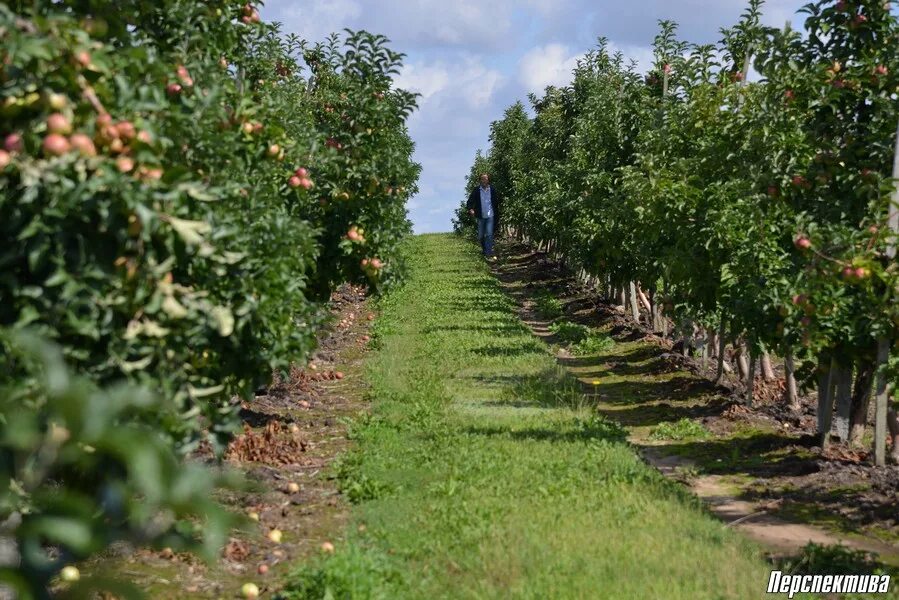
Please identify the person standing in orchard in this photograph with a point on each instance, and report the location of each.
(484, 203)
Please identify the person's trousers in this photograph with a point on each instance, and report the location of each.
(485, 235)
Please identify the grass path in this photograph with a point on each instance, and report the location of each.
(483, 473)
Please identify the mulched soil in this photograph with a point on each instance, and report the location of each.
(835, 481)
(293, 430)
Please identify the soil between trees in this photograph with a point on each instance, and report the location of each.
(293, 431)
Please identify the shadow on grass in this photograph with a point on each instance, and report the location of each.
(677, 389)
(594, 429)
(759, 454)
(491, 304)
(519, 329)
(511, 350)
(656, 414)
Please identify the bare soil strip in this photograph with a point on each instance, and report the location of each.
(292, 433)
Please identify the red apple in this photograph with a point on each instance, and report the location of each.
(799, 299)
(83, 144)
(13, 143)
(789, 94)
(376, 263)
(803, 243)
(301, 172)
(306, 183)
(145, 137)
(882, 70)
(848, 273)
(773, 191)
(184, 76)
(262, 569)
(859, 19)
(56, 145)
(861, 273)
(5, 159)
(124, 164)
(59, 123)
(173, 89)
(83, 58)
(364, 262)
(666, 68)
(798, 180)
(273, 150)
(126, 130)
(294, 182)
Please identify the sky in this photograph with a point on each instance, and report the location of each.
(470, 60)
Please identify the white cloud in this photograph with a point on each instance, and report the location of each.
(426, 80)
(467, 81)
(641, 55)
(551, 64)
(314, 21)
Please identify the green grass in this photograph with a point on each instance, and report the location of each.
(684, 429)
(483, 472)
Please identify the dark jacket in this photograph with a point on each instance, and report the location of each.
(474, 202)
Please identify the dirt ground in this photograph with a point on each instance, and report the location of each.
(293, 431)
(764, 456)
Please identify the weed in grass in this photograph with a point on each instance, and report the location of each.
(548, 305)
(684, 429)
(594, 343)
(568, 332)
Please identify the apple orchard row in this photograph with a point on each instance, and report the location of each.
(755, 215)
(183, 186)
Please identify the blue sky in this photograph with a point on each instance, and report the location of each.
(470, 60)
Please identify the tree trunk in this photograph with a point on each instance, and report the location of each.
(704, 347)
(843, 402)
(893, 425)
(767, 369)
(622, 299)
(791, 394)
(825, 399)
(634, 306)
(861, 400)
(883, 418)
(722, 343)
(750, 379)
(742, 362)
(644, 300)
(881, 400)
